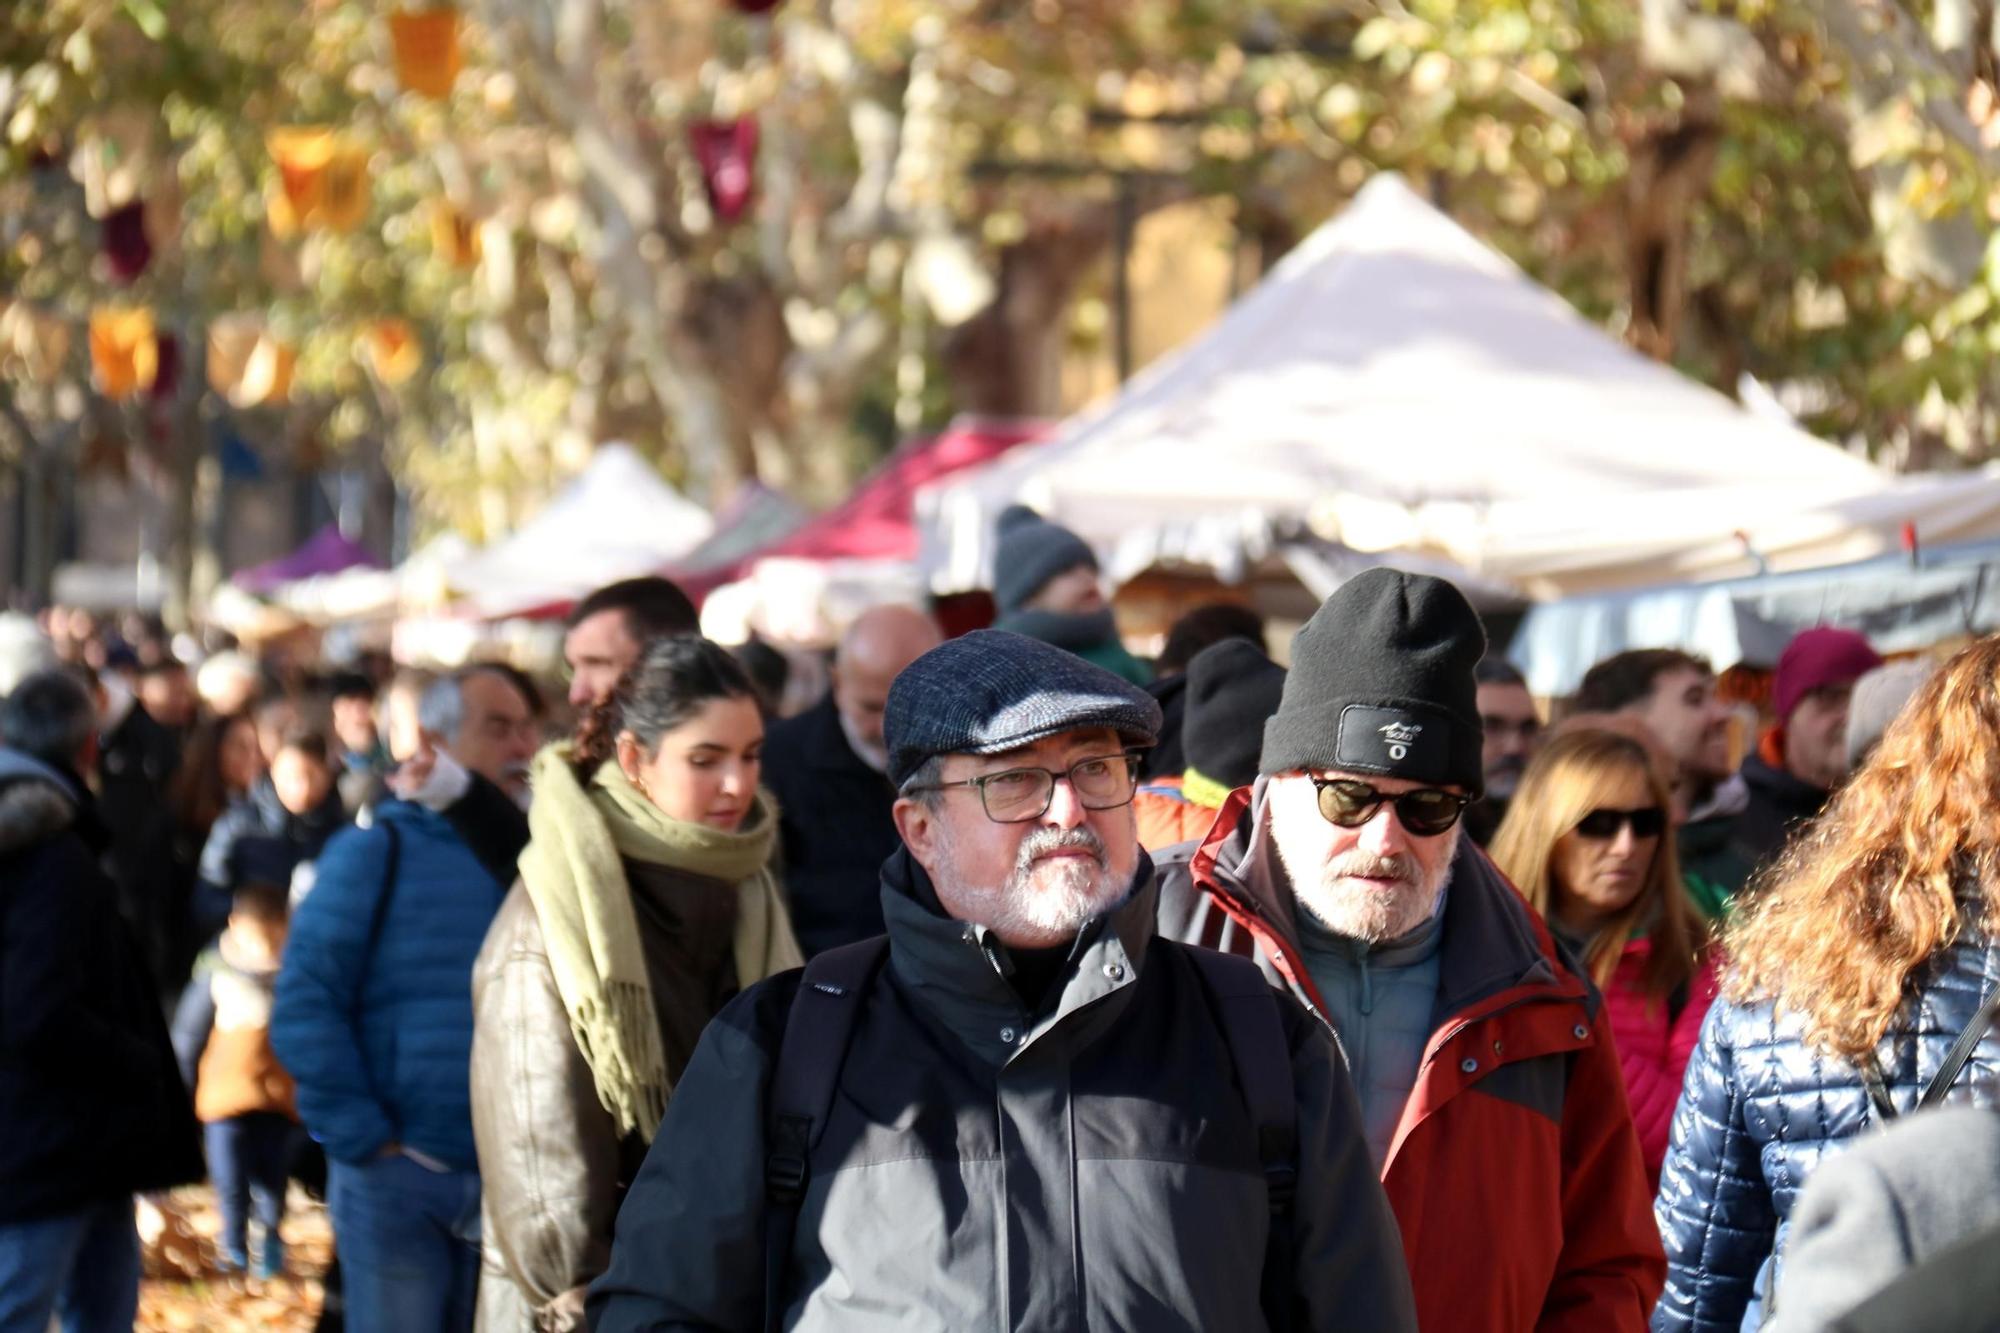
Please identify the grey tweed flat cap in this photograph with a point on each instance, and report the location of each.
(990, 691)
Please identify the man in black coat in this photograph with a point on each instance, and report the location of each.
(825, 766)
(92, 1108)
(136, 761)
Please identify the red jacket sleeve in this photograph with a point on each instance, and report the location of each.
(1612, 1267)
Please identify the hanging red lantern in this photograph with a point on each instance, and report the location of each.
(727, 152)
(755, 6)
(126, 246)
(167, 372)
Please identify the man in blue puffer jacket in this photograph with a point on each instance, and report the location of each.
(373, 1018)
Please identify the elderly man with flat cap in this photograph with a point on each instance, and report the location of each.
(1021, 1109)
(1489, 1088)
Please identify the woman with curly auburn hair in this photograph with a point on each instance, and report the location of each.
(1588, 840)
(1864, 958)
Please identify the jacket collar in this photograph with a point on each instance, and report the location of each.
(827, 749)
(1793, 796)
(39, 800)
(959, 970)
(1491, 940)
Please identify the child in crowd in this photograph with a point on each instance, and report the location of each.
(243, 1097)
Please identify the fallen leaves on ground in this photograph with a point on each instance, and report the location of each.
(184, 1291)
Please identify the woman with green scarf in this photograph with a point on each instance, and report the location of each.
(645, 902)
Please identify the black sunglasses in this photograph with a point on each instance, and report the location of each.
(1425, 812)
(1603, 825)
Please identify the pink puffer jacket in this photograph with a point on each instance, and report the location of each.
(1653, 1050)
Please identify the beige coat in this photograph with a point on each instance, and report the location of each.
(553, 1166)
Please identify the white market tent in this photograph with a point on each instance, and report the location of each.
(1403, 389)
(617, 519)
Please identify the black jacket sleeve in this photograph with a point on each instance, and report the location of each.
(493, 826)
(689, 1249)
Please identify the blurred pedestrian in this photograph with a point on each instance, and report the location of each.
(1673, 693)
(1801, 759)
(360, 755)
(609, 628)
(1880, 696)
(373, 1017)
(1232, 690)
(91, 1110)
(1064, 1118)
(137, 761)
(1047, 586)
(827, 769)
(167, 691)
(1866, 956)
(244, 1099)
(1490, 1089)
(1590, 845)
(474, 741)
(646, 902)
(1203, 627)
(769, 670)
(1510, 730)
(24, 650)
(287, 817)
(229, 682)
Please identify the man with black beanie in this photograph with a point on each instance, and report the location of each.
(1232, 689)
(1490, 1092)
(1046, 586)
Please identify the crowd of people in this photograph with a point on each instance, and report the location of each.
(1014, 981)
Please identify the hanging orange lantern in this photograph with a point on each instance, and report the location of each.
(322, 181)
(427, 55)
(124, 350)
(455, 236)
(392, 350)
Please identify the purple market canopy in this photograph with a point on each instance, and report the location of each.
(325, 552)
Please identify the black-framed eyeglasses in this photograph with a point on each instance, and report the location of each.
(1017, 795)
(1424, 812)
(1603, 825)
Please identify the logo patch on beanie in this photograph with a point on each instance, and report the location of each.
(1399, 736)
(1389, 740)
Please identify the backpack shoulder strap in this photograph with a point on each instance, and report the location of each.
(803, 1079)
(1955, 1059)
(1247, 1008)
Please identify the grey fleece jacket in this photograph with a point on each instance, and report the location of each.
(982, 1169)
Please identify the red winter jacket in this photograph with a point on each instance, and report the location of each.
(1515, 1173)
(1654, 1046)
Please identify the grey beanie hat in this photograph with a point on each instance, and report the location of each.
(1031, 552)
(1879, 699)
(990, 691)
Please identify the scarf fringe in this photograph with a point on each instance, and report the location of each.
(631, 1084)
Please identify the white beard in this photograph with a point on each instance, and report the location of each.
(1355, 911)
(1040, 903)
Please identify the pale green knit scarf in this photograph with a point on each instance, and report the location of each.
(575, 877)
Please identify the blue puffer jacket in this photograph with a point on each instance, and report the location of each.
(381, 1045)
(1758, 1112)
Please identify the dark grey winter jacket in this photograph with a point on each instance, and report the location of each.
(1093, 1168)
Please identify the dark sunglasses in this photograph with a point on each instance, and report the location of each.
(1425, 812)
(1603, 825)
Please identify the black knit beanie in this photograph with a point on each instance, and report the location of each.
(1232, 690)
(1031, 552)
(1382, 682)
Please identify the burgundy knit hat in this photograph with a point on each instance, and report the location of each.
(1817, 658)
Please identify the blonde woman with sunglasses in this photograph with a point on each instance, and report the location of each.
(1588, 840)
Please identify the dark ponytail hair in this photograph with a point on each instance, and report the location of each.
(673, 678)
